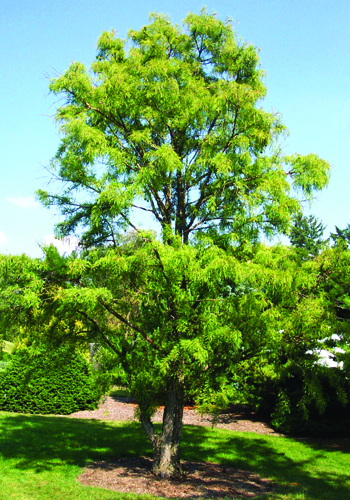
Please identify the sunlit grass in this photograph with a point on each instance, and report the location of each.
(120, 392)
(41, 457)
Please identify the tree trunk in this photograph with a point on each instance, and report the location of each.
(166, 446)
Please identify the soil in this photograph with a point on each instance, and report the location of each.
(201, 479)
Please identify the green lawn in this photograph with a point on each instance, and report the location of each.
(41, 456)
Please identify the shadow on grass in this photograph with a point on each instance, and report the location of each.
(301, 466)
(41, 443)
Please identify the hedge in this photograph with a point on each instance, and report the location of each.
(56, 382)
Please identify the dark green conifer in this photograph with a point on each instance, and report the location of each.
(307, 233)
(341, 235)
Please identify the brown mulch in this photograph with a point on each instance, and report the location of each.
(201, 480)
(238, 418)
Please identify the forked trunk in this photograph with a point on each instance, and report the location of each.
(166, 446)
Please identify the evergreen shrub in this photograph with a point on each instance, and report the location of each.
(56, 382)
(293, 411)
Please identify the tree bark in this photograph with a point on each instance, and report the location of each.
(166, 446)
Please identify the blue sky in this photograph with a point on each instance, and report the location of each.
(304, 47)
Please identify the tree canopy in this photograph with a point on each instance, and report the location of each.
(189, 321)
(170, 122)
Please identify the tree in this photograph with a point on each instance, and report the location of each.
(341, 235)
(301, 379)
(179, 320)
(174, 122)
(171, 126)
(307, 233)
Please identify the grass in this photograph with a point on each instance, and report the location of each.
(41, 457)
(120, 392)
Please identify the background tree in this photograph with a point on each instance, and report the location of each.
(170, 125)
(293, 382)
(341, 235)
(307, 233)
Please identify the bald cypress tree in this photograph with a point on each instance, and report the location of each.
(169, 123)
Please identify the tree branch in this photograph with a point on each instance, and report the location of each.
(161, 265)
(233, 132)
(126, 322)
(105, 339)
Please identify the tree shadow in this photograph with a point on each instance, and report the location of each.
(270, 456)
(41, 443)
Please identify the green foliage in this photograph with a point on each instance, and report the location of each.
(172, 124)
(288, 380)
(341, 235)
(222, 325)
(57, 382)
(281, 412)
(303, 400)
(173, 117)
(307, 234)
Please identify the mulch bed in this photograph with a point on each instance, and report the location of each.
(202, 480)
(238, 418)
